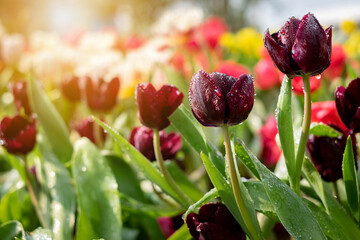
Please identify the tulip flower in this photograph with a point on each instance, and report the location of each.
(70, 88)
(327, 154)
(348, 104)
(326, 113)
(231, 68)
(300, 47)
(270, 152)
(217, 99)
(21, 98)
(100, 95)
(18, 134)
(154, 107)
(169, 225)
(214, 222)
(142, 139)
(298, 84)
(338, 63)
(266, 75)
(86, 128)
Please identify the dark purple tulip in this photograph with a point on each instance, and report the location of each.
(214, 222)
(142, 139)
(217, 99)
(154, 107)
(18, 134)
(348, 104)
(300, 47)
(327, 155)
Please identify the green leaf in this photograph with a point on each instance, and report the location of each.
(140, 162)
(42, 234)
(13, 230)
(17, 164)
(189, 128)
(54, 127)
(301, 225)
(213, 193)
(181, 234)
(225, 191)
(329, 226)
(350, 179)
(246, 159)
(55, 180)
(285, 125)
(99, 205)
(322, 130)
(128, 182)
(261, 200)
(187, 186)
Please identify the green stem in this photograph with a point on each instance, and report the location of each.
(304, 132)
(180, 194)
(336, 192)
(32, 194)
(236, 186)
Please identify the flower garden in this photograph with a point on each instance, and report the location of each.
(192, 132)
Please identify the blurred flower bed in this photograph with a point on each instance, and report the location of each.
(55, 90)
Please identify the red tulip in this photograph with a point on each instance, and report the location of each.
(21, 97)
(297, 84)
(100, 95)
(86, 128)
(326, 113)
(154, 107)
(18, 134)
(270, 152)
(211, 31)
(300, 47)
(70, 88)
(169, 225)
(338, 63)
(267, 75)
(231, 68)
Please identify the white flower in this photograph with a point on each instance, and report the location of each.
(12, 47)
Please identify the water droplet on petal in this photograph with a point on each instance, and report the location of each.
(318, 76)
(218, 92)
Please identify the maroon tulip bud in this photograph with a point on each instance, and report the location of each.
(142, 139)
(18, 134)
(21, 97)
(214, 222)
(70, 88)
(327, 154)
(100, 95)
(348, 104)
(86, 128)
(154, 107)
(218, 99)
(301, 47)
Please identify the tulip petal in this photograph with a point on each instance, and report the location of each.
(240, 100)
(280, 55)
(287, 33)
(342, 106)
(355, 121)
(206, 100)
(210, 231)
(147, 111)
(310, 50)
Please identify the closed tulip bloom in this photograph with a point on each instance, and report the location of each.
(266, 74)
(300, 47)
(21, 98)
(100, 95)
(154, 107)
(142, 139)
(348, 104)
(214, 222)
(18, 134)
(217, 99)
(85, 128)
(70, 88)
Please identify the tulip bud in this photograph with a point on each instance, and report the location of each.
(21, 97)
(18, 134)
(101, 95)
(270, 151)
(301, 47)
(70, 88)
(214, 222)
(86, 129)
(154, 107)
(348, 104)
(219, 99)
(142, 139)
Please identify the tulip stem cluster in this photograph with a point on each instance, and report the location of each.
(236, 186)
(304, 132)
(32, 194)
(186, 200)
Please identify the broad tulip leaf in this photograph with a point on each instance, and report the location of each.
(323, 130)
(181, 234)
(350, 179)
(13, 230)
(49, 118)
(301, 225)
(141, 162)
(213, 193)
(98, 201)
(285, 125)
